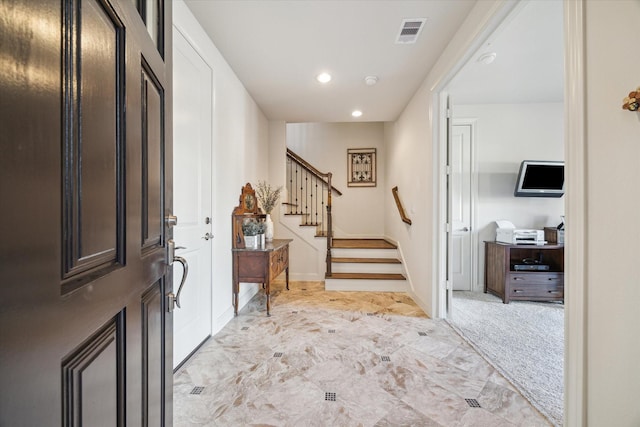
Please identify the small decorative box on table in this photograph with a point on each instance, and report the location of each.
(260, 264)
(524, 272)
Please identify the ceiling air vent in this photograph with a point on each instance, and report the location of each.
(410, 30)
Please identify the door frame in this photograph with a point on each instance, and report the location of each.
(575, 384)
(473, 195)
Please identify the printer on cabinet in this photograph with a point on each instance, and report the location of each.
(508, 233)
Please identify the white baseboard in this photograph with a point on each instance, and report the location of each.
(247, 291)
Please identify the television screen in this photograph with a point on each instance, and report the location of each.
(540, 179)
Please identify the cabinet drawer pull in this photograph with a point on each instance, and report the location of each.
(553, 278)
(518, 278)
(517, 291)
(554, 292)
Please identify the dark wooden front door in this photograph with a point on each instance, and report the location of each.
(85, 155)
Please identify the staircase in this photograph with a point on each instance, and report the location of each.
(351, 264)
(365, 265)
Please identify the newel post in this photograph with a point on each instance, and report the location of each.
(329, 226)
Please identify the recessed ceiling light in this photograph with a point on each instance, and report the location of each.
(356, 113)
(324, 77)
(487, 58)
(371, 80)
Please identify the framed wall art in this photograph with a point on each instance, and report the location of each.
(361, 167)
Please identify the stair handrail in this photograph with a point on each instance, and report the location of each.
(326, 179)
(309, 167)
(403, 215)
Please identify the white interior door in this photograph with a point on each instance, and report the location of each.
(192, 162)
(461, 251)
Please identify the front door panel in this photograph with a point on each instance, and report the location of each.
(86, 151)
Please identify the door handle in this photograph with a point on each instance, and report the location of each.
(171, 220)
(185, 266)
(208, 236)
(464, 229)
(174, 300)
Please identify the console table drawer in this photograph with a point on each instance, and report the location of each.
(278, 261)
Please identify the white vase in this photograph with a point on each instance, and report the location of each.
(269, 230)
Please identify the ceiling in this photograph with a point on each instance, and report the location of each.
(278, 47)
(529, 60)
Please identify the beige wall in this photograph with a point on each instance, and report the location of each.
(240, 155)
(613, 207)
(357, 212)
(409, 167)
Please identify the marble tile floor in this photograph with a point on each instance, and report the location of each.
(342, 359)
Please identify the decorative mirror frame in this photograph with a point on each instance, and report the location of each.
(247, 208)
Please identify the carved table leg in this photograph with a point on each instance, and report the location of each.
(236, 283)
(235, 300)
(267, 290)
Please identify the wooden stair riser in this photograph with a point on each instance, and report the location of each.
(363, 253)
(337, 267)
(366, 285)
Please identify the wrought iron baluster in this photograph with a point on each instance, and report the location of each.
(316, 204)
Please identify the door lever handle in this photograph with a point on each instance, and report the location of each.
(174, 300)
(185, 266)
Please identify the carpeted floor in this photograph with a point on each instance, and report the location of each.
(343, 359)
(523, 340)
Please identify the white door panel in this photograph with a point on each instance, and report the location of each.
(192, 163)
(461, 207)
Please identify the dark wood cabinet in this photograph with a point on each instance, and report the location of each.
(505, 273)
(260, 265)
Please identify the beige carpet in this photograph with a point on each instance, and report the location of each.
(524, 340)
(342, 359)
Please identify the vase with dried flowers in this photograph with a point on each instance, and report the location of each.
(268, 197)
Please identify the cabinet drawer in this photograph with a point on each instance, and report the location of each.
(517, 279)
(278, 261)
(541, 285)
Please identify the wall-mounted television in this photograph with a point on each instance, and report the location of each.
(540, 178)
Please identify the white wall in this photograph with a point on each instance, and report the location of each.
(409, 167)
(504, 136)
(612, 284)
(357, 212)
(240, 153)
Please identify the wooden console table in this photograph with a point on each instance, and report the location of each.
(504, 279)
(261, 265)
